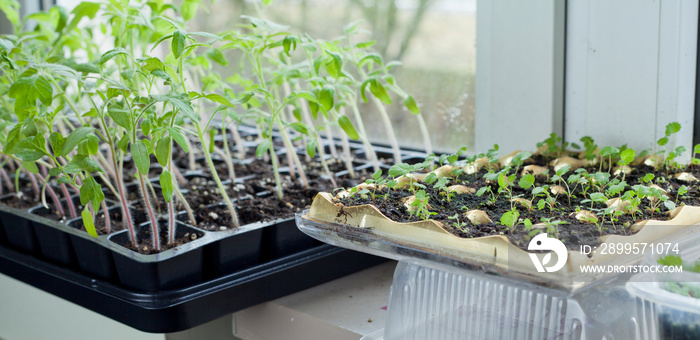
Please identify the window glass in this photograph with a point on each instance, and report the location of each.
(435, 40)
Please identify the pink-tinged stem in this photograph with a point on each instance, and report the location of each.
(108, 222)
(71, 206)
(35, 186)
(151, 215)
(53, 195)
(178, 176)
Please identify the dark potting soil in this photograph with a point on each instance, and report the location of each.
(145, 242)
(572, 232)
(115, 220)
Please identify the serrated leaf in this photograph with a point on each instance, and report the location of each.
(348, 127)
(139, 151)
(627, 156)
(663, 141)
(166, 184)
(410, 104)
(672, 128)
(398, 170)
(526, 181)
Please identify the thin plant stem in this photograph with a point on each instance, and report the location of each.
(151, 215)
(369, 149)
(108, 221)
(329, 138)
(227, 152)
(389, 128)
(53, 195)
(290, 151)
(188, 209)
(240, 148)
(215, 175)
(347, 157)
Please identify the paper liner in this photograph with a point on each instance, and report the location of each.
(495, 251)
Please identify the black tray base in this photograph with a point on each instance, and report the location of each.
(181, 309)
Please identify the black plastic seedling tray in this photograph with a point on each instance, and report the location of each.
(180, 309)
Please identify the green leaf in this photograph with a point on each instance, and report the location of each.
(327, 97)
(56, 140)
(83, 9)
(189, 9)
(111, 54)
(88, 222)
(74, 138)
(663, 141)
(347, 126)
(178, 138)
(31, 167)
(54, 172)
(262, 148)
(311, 148)
(11, 10)
(217, 56)
(166, 184)
(219, 99)
(91, 191)
(509, 218)
(185, 107)
(672, 128)
(121, 117)
(178, 43)
(627, 156)
(299, 127)
(365, 44)
(378, 90)
(669, 205)
(123, 143)
(398, 170)
(527, 181)
(163, 149)
(410, 104)
(139, 151)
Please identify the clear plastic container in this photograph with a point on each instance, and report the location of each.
(429, 303)
(666, 314)
(440, 297)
